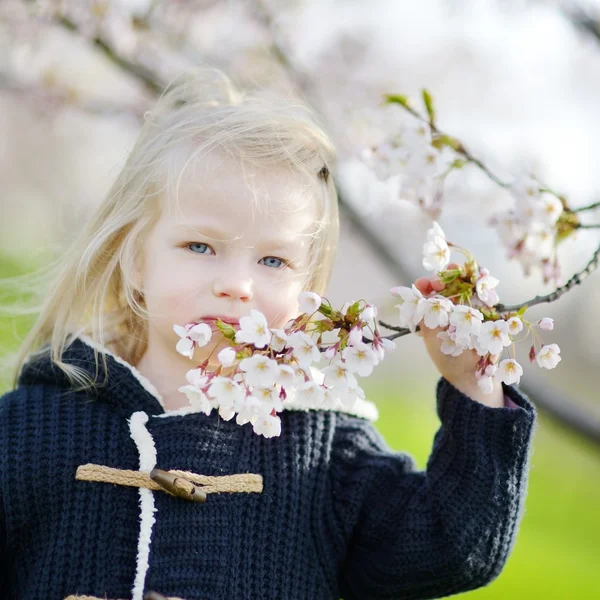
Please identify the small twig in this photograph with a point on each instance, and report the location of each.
(575, 280)
(588, 226)
(147, 77)
(588, 207)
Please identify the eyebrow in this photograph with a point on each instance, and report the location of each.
(221, 236)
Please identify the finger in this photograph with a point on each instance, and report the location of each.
(437, 285)
(423, 284)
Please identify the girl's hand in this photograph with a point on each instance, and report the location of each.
(458, 370)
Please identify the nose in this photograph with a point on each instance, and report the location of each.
(234, 285)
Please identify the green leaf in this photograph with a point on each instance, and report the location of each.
(442, 140)
(450, 275)
(325, 310)
(398, 99)
(428, 101)
(521, 311)
(226, 329)
(353, 311)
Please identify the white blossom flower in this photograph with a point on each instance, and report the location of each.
(226, 392)
(359, 359)
(249, 410)
(349, 396)
(267, 425)
(491, 370)
(260, 371)
(435, 231)
(548, 357)
(304, 347)
(369, 315)
(278, 339)
(196, 377)
(226, 413)
(355, 337)
(435, 312)
(509, 371)
(285, 376)
(485, 290)
(486, 384)
(200, 334)
(548, 209)
(197, 399)
(547, 324)
(226, 357)
(493, 336)
(388, 345)
(467, 320)
(451, 345)
(310, 393)
(269, 399)
(515, 325)
(309, 302)
(254, 330)
(436, 254)
(409, 300)
(337, 375)
(192, 336)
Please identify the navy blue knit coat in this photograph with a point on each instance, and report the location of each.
(339, 514)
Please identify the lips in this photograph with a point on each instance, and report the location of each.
(230, 320)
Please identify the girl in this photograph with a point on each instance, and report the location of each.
(226, 205)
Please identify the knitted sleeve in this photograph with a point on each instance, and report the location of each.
(414, 534)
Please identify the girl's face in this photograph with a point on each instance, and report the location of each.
(219, 254)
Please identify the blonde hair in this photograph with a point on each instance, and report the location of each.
(92, 289)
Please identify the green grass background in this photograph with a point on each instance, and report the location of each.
(557, 554)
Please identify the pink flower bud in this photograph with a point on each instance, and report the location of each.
(547, 324)
(532, 353)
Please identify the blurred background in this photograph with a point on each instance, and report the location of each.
(518, 82)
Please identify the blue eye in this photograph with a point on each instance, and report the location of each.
(198, 247)
(273, 258)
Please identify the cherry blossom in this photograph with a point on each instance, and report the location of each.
(305, 350)
(485, 290)
(278, 339)
(436, 254)
(339, 376)
(309, 302)
(515, 325)
(435, 312)
(267, 425)
(359, 359)
(410, 298)
(546, 324)
(226, 357)
(192, 336)
(228, 392)
(467, 320)
(259, 371)
(548, 357)
(254, 330)
(493, 336)
(509, 371)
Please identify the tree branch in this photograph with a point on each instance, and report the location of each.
(575, 280)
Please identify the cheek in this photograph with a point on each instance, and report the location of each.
(280, 303)
(171, 287)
